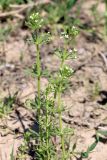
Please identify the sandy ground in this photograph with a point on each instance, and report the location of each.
(85, 110)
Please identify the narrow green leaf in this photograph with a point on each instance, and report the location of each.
(67, 131)
(74, 147)
(71, 3)
(92, 147)
(84, 154)
(102, 132)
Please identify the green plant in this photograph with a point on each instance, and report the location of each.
(35, 23)
(98, 17)
(7, 105)
(4, 4)
(62, 77)
(89, 149)
(4, 32)
(48, 104)
(95, 13)
(95, 90)
(99, 133)
(58, 11)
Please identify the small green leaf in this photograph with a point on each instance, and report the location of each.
(84, 154)
(67, 131)
(104, 133)
(92, 147)
(74, 146)
(28, 72)
(71, 3)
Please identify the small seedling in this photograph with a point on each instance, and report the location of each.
(95, 90)
(4, 32)
(98, 17)
(7, 105)
(99, 134)
(58, 11)
(95, 13)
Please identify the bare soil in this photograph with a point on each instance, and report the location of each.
(85, 112)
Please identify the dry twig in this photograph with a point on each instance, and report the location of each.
(103, 56)
(21, 8)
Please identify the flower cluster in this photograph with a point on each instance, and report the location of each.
(69, 33)
(35, 21)
(73, 31)
(73, 53)
(64, 35)
(66, 54)
(66, 71)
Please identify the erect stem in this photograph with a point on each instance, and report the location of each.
(60, 124)
(38, 77)
(60, 117)
(38, 63)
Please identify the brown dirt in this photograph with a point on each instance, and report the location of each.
(86, 111)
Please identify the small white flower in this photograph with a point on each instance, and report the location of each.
(70, 51)
(73, 27)
(33, 14)
(66, 67)
(75, 50)
(66, 36)
(41, 20)
(37, 13)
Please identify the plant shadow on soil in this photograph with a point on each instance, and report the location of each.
(103, 95)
